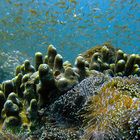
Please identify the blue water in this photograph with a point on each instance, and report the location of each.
(71, 26)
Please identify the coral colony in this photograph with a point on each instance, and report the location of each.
(96, 98)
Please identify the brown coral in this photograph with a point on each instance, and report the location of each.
(88, 54)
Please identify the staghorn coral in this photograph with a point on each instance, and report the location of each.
(107, 114)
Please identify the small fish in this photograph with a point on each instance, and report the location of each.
(96, 9)
(86, 21)
(18, 4)
(68, 10)
(105, 28)
(18, 19)
(98, 16)
(44, 43)
(9, 1)
(110, 18)
(61, 22)
(45, 36)
(47, 13)
(33, 12)
(81, 27)
(73, 1)
(60, 3)
(62, 6)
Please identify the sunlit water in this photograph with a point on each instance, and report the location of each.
(72, 26)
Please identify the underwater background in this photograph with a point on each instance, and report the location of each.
(69, 70)
(72, 26)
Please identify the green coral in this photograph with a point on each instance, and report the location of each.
(58, 65)
(2, 101)
(7, 87)
(51, 55)
(32, 110)
(38, 60)
(15, 99)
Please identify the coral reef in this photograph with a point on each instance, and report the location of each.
(97, 97)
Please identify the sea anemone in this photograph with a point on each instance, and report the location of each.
(107, 114)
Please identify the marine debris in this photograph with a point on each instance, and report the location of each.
(96, 98)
